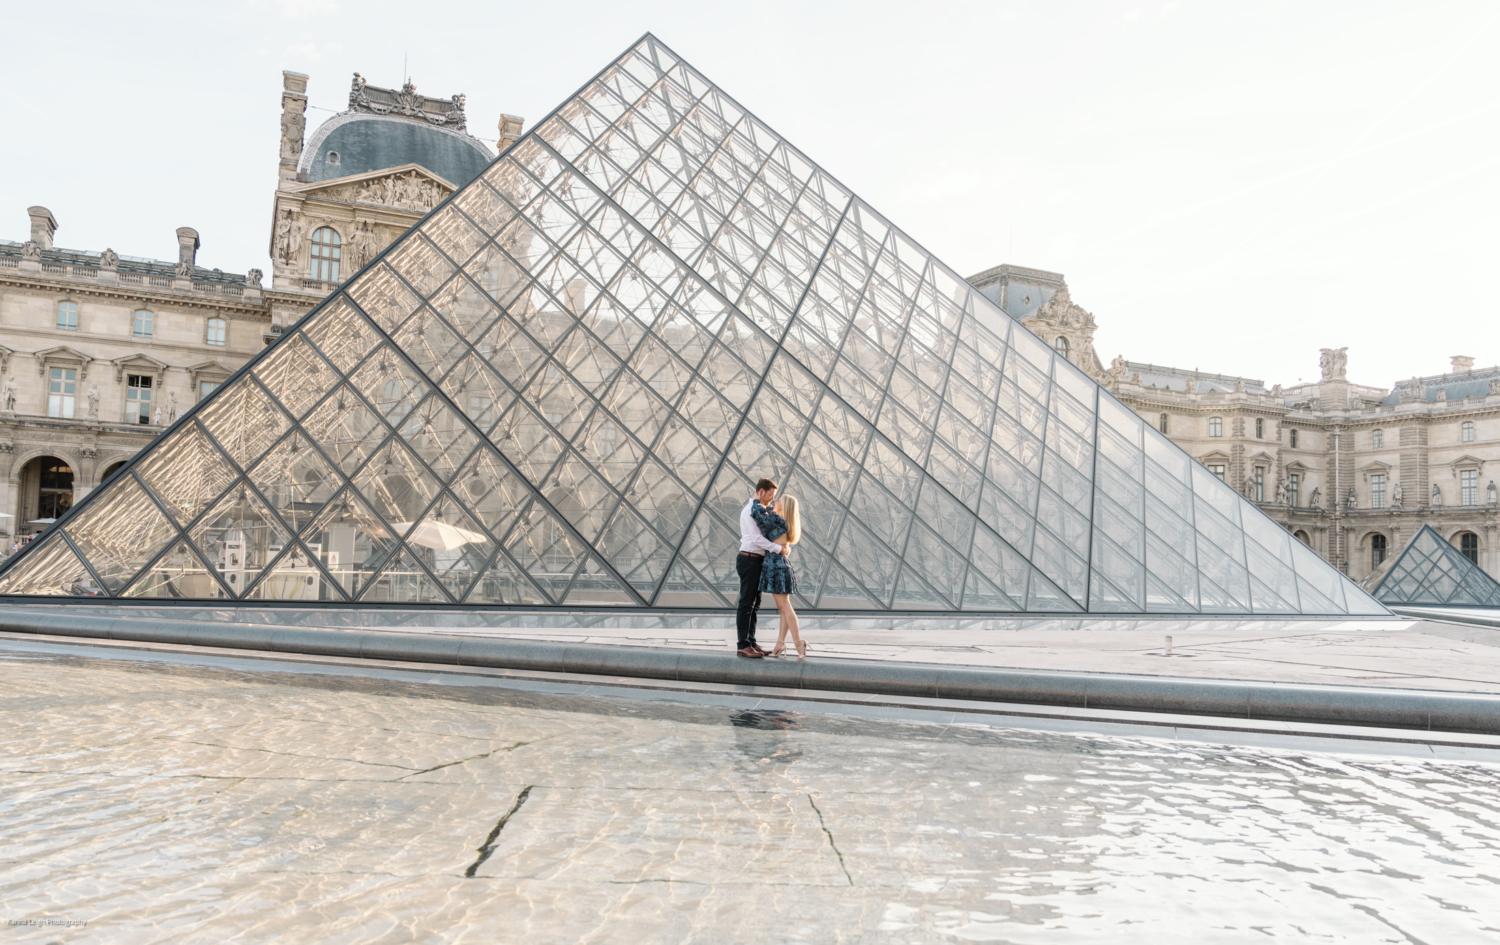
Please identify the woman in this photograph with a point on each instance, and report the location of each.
(782, 524)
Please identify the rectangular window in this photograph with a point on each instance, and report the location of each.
(1294, 439)
(1215, 426)
(1377, 491)
(1163, 423)
(1260, 428)
(207, 387)
(62, 387)
(1260, 482)
(137, 398)
(1293, 481)
(216, 331)
(67, 316)
(1217, 469)
(1466, 432)
(1468, 487)
(143, 324)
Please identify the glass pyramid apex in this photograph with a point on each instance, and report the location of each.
(1430, 570)
(558, 388)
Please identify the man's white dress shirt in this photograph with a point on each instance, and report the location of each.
(750, 537)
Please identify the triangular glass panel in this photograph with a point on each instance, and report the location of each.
(121, 535)
(683, 588)
(593, 351)
(294, 575)
(404, 580)
(51, 569)
(178, 574)
(595, 587)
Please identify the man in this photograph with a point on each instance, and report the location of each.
(753, 549)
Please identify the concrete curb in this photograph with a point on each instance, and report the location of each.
(1272, 702)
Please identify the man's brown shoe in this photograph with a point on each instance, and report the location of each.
(763, 650)
(750, 653)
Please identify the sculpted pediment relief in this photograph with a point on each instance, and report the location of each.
(408, 187)
(1062, 312)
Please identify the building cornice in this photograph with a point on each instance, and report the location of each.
(249, 305)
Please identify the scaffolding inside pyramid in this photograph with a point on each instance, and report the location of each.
(558, 389)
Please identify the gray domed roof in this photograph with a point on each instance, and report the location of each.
(357, 143)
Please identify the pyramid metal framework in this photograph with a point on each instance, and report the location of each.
(1430, 570)
(559, 387)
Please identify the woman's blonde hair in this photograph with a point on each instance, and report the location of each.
(793, 519)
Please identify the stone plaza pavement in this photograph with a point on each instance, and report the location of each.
(1409, 654)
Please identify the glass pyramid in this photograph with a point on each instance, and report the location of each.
(1430, 570)
(559, 387)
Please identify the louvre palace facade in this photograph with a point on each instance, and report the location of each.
(100, 351)
(555, 389)
(1352, 470)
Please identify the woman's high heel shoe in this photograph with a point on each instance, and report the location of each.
(801, 649)
(780, 649)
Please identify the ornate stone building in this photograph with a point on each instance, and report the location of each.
(1352, 470)
(100, 352)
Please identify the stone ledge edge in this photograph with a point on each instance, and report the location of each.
(1471, 713)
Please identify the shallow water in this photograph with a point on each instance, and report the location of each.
(178, 803)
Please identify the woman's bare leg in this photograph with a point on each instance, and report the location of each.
(789, 622)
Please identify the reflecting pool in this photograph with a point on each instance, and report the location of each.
(167, 802)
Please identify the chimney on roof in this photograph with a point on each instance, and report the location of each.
(1461, 362)
(510, 130)
(187, 250)
(43, 225)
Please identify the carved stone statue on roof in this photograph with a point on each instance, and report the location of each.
(1334, 362)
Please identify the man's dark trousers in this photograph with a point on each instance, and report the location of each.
(748, 567)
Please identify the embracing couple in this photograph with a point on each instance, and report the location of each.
(769, 527)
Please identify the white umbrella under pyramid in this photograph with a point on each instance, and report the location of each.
(440, 536)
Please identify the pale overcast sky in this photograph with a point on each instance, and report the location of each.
(1227, 186)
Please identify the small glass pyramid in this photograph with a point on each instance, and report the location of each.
(559, 387)
(1430, 570)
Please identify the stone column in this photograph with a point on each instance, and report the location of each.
(9, 493)
(84, 482)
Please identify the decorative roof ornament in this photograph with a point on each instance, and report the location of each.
(406, 102)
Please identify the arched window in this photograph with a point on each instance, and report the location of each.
(1294, 439)
(1162, 423)
(325, 254)
(1466, 431)
(1061, 344)
(145, 323)
(67, 316)
(1215, 426)
(217, 331)
(1301, 536)
(1377, 439)
(1468, 543)
(1377, 550)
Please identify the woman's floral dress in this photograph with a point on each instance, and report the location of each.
(776, 574)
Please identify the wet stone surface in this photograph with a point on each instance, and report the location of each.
(174, 803)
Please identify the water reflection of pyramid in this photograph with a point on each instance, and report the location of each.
(1430, 570)
(558, 388)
